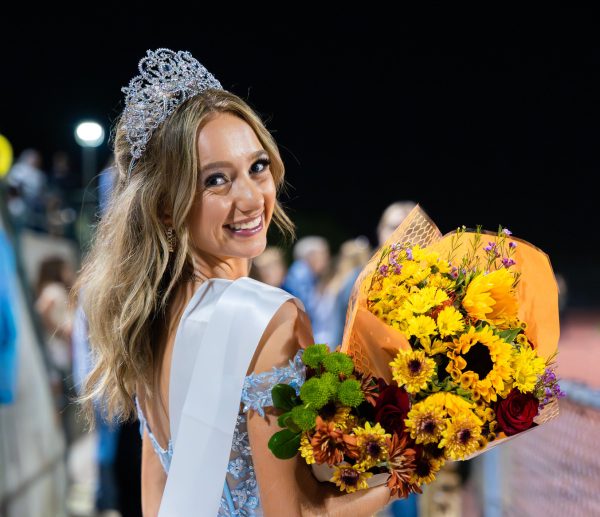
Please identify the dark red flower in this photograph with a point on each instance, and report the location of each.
(516, 412)
(392, 407)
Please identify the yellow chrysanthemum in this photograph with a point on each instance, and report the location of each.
(450, 322)
(453, 404)
(350, 478)
(461, 436)
(527, 366)
(306, 449)
(398, 318)
(419, 275)
(437, 347)
(426, 421)
(409, 268)
(425, 299)
(492, 298)
(413, 370)
(343, 419)
(441, 282)
(426, 468)
(420, 326)
(487, 359)
(443, 266)
(372, 444)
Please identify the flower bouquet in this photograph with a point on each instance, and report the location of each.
(448, 350)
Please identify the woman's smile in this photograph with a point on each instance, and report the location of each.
(246, 228)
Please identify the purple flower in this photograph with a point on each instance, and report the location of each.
(507, 262)
(383, 269)
(398, 269)
(512, 244)
(409, 253)
(506, 231)
(490, 246)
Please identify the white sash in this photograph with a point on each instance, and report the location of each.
(203, 439)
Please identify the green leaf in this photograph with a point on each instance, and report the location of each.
(282, 418)
(509, 335)
(284, 444)
(284, 397)
(291, 425)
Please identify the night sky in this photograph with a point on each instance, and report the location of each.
(494, 123)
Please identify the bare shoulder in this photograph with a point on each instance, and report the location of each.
(287, 332)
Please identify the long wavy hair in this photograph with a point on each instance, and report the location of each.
(129, 275)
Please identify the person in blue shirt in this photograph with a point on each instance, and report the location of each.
(8, 329)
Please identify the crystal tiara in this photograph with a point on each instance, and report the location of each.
(166, 79)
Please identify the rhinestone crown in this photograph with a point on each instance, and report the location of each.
(166, 79)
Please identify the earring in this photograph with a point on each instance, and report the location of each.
(171, 240)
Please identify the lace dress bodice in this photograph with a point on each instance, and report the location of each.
(240, 491)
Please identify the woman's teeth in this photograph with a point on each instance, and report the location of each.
(246, 226)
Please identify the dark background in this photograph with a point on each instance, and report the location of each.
(482, 120)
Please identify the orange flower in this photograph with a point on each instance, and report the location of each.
(402, 467)
(330, 444)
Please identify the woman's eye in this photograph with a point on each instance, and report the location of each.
(216, 180)
(264, 164)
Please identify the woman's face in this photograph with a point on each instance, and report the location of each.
(236, 191)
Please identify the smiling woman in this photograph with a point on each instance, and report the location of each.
(180, 334)
(230, 217)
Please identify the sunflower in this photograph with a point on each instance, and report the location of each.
(486, 359)
(491, 297)
(426, 421)
(350, 478)
(413, 369)
(461, 436)
(528, 367)
(372, 443)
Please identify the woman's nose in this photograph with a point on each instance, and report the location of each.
(248, 195)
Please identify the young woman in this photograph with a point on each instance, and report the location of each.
(179, 332)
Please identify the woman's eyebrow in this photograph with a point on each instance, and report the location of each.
(216, 165)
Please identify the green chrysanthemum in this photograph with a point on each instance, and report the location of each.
(315, 392)
(314, 354)
(337, 363)
(350, 394)
(304, 417)
(331, 383)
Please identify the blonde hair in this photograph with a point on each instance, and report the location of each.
(129, 275)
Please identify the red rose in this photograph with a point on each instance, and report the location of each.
(392, 407)
(516, 412)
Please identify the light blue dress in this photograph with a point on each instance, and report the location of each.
(240, 496)
(240, 492)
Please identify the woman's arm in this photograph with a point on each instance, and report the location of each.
(287, 487)
(154, 479)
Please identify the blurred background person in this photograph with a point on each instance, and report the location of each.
(391, 218)
(27, 183)
(334, 292)
(55, 278)
(269, 267)
(311, 260)
(60, 204)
